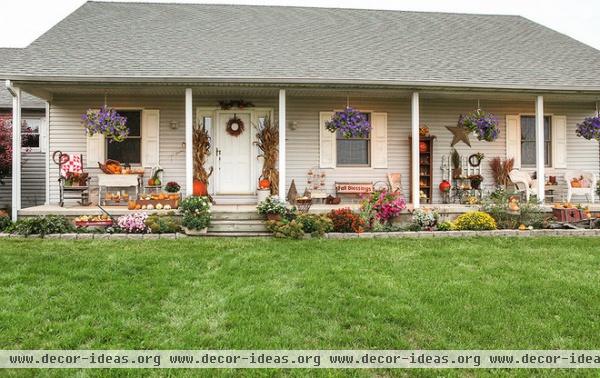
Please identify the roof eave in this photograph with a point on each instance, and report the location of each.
(287, 81)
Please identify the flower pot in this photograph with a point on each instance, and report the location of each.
(475, 184)
(200, 188)
(195, 232)
(262, 194)
(274, 217)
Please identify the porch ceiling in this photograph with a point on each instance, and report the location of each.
(48, 90)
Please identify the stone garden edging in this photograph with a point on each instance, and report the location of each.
(335, 235)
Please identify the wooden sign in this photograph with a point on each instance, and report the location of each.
(353, 188)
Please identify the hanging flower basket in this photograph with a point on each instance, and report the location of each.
(107, 122)
(589, 128)
(350, 122)
(483, 124)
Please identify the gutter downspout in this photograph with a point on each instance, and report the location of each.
(16, 146)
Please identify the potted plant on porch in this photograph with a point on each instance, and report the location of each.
(272, 208)
(196, 215)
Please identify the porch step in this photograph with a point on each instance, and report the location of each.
(239, 225)
(239, 234)
(236, 216)
(234, 199)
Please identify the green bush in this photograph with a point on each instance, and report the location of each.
(286, 229)
(5, 223)
(43, 225)
(529, 214)
(196, 212)
(445, 226)
(315, 224)
(271, 205)
(475, 221)
(163, 224)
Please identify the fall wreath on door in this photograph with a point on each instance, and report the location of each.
(235, 126)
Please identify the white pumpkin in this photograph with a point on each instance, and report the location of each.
(159, 206)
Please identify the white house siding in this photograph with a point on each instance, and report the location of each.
(67, 135)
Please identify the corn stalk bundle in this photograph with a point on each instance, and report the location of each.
(500, 170)
(267, 140)
(201, 141)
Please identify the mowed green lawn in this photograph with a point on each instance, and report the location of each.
(477, 293)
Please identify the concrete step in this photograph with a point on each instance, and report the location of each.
(244, 215)
(237, 226)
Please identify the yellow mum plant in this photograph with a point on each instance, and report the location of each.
(475, 221)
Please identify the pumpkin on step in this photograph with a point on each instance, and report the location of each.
(264, 184)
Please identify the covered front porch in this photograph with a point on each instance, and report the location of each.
(536, 129)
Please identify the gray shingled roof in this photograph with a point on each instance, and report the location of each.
(106, 40)
(28, 101)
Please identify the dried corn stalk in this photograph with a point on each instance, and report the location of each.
(267, 140)
(201, 141)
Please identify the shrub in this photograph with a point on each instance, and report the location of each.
(163, 224)
(133, 223)
(497, 205)
(445, 226)
(43, 225)
(475, 221)
(286, 229)
(425, 219)
(196, 212)
(382, 205)
(271, 205)
(315, 224)
(5, 222)
(345, 220)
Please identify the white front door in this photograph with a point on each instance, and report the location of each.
(234, 155)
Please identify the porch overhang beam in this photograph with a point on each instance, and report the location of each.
(16, 149)
(414, 148)
(539, 148)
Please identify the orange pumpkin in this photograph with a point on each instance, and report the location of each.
(200, 188)
(423, 147)
(264, 184)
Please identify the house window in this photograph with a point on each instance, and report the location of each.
(528, 141)
(355, 151)
(128, 151)
(30, 132)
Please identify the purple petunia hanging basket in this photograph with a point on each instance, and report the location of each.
(589, 128)
(105, 121)
(483, 124)
(350, 122)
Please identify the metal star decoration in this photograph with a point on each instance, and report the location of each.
(460, 134)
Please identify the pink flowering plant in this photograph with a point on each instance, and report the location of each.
(382, 206)
(350, 123)
(134, 223)
(107, 122)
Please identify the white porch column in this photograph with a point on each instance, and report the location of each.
(539, 146)
(414, 147)
(16, 149)
(282, 127)
(189, 146)
(47, 155)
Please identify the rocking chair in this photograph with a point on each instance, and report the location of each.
(73, 182)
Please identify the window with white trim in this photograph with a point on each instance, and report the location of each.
(128, 151)
(30, 132)
(354, 151)
(528, 141)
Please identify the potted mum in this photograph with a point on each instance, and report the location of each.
(483, 124)
(105, 121)
(196, 215)
(172, 187)
(272, 208)
(350, 122)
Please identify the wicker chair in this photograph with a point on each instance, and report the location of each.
(588, 191)
(523, 183)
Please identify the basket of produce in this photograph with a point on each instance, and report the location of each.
(85, 221)
(158, 201)
(111, 167)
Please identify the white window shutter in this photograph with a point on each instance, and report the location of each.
(150, 138)
(96, 150)
(559, 141)
(327, 142)
(379, 140)
(513, 139)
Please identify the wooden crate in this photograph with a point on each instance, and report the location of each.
(567, 215)
(173, 203)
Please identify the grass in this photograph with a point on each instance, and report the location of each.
(478, 293)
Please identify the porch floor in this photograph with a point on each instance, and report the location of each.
(73, 210)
